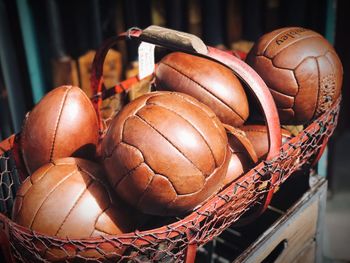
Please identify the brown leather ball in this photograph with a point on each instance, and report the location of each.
(257, 135)
(165, 153)
(69, 198)
(302, 71)
(64, 123)
(210, 82)
(243, 156)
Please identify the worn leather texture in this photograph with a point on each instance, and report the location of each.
(210, 82)
(243, 156)
(302, 71)
(64, 123)
(69, 198)
(165, 153)
(257, 135)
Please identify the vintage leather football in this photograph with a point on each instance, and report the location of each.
(243, 156)
(210, 82)
(302, 71)
(64, 123)
(69, 198)
(165, 153)
(257, 135)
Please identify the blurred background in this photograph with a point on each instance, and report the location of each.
(47, 43)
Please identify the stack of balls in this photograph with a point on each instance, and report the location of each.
(66, 193)
(168, 151)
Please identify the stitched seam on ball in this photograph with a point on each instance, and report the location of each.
(172, 185)
(74, 205)
(111, 153)
(106, 154)
(90, 174)
(318, 90)
(192, 103)
(274, 38)
(144, 192)
(200, 134)
(282, 68)
(30, 177)
(208, 91)
(90, 104)
(116, 146)
(31, 184)
(51, 191)
(57, 122)
(303, 60)
(279, 92)
(210, 117)
(101, 181)
(99, 230)
(273, 63)
(329, 61)
(122, 177)
(97, 218)
(292, 44)
(314, 57)
(319, 78)
(184, 155)
(116, 185)
(128, 144)
(296, 79)
(206, 181)
(335, 54)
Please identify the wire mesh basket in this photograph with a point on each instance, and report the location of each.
(174, 242)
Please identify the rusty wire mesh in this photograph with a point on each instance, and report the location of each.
(167, 243)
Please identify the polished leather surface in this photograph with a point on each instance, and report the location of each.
(62, 124)
(257, 135)
(70, 198)
(301, 69)
(210, 82)
(243, 156)
(165, 153)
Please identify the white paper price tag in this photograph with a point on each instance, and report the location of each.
(146, 59)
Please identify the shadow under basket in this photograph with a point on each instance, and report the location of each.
(175, 242)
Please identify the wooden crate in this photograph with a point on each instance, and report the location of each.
(289, 231)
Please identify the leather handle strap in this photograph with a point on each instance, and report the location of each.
(173, 39)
